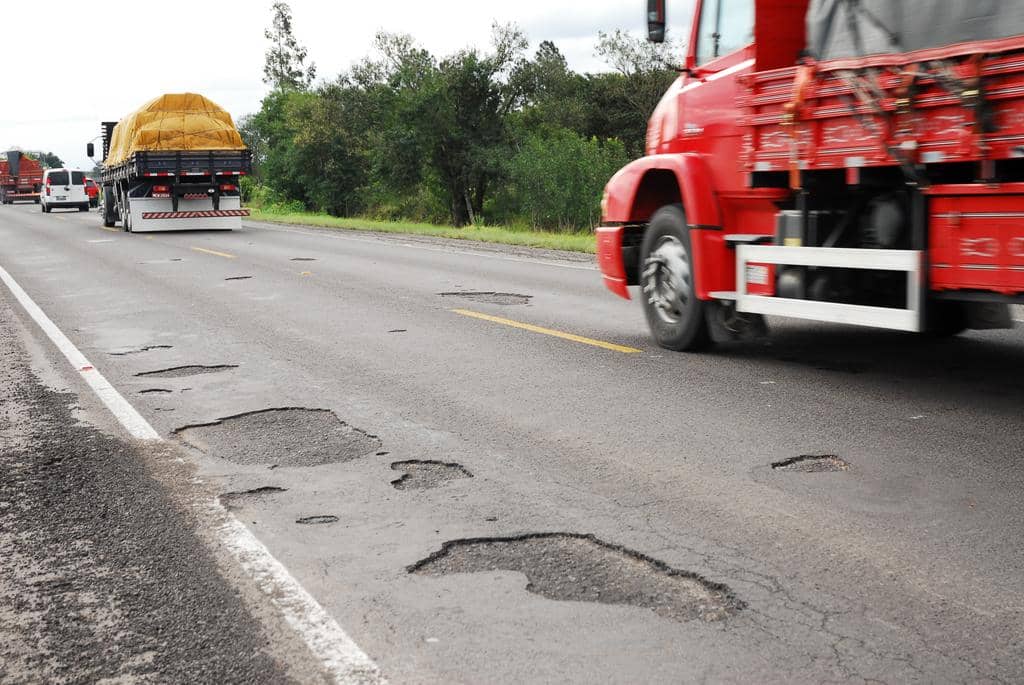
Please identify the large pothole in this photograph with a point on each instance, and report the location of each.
(423, 475)
(281, 437)
(186, 371)
(581, 568)
(490, 297)
(812, 463)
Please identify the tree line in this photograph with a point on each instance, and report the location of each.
(495, 136)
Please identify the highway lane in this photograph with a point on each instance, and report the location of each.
(906, 565)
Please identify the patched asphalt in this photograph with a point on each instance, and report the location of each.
(102, 577)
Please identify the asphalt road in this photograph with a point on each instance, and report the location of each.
(476, 501)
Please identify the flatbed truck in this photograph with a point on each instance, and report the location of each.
(149, 190)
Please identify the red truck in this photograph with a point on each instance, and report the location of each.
(847, 161)
(21, 177)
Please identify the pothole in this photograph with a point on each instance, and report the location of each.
(812, 463)
(423, 475)
(303, 259)
(490, 297)
(234, 500)
(140, 350)
(155, 391)
(581, 568)
(238, 278)
(281, 437)
(185, 371)
(317, 520)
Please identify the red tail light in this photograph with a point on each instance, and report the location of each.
(228, 188)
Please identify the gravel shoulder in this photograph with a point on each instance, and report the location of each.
(104, 575)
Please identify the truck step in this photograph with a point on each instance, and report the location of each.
(747, 238)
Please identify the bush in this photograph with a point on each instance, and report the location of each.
(557, 179)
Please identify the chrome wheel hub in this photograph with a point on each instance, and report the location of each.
(667, 280)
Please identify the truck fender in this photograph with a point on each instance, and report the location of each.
(635, 193)
(640, 188)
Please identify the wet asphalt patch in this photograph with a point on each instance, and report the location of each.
(140, 350)
(424, 475)
(286, 437)
(238, 278)
(490, 297)
(582, 568)
(317, 520)
(186, 371)
(812, 463)
(238, 499)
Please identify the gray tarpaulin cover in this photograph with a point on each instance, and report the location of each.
(854, 28)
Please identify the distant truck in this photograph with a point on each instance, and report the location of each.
(847, 161)
(21, 178)
(173, 165)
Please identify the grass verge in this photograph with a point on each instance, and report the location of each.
(573, 242)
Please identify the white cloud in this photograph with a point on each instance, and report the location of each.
(95, 61)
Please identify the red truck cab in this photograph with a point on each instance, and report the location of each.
(880, 189)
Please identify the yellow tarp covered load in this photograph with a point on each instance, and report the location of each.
(176, 121)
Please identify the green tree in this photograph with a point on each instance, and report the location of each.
(620, 103)
(285, 62)
(47, 159)
(457, 120)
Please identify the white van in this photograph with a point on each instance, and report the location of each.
(63, 188)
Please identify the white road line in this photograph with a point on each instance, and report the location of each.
(339, 655)
(118, 405)
(327, 232)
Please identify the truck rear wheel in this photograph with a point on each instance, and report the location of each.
(675, 316)
(109, 207)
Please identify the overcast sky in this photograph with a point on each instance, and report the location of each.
(71, 64)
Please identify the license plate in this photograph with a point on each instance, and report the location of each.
(61, 197)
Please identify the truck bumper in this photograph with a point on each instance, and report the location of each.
(157, 214)
(610, 261)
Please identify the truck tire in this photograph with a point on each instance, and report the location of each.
(945, 319)
(126, 215)
(109, 203)
(674, 314)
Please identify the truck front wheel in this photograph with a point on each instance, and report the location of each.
(675, 315)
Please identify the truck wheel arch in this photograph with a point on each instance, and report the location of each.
(649, 183)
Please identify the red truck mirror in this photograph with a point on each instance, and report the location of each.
(90, 150)
(656, 21)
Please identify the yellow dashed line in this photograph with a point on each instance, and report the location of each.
(225, 255)
(547, 331)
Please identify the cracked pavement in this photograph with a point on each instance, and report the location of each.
(906, 566)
